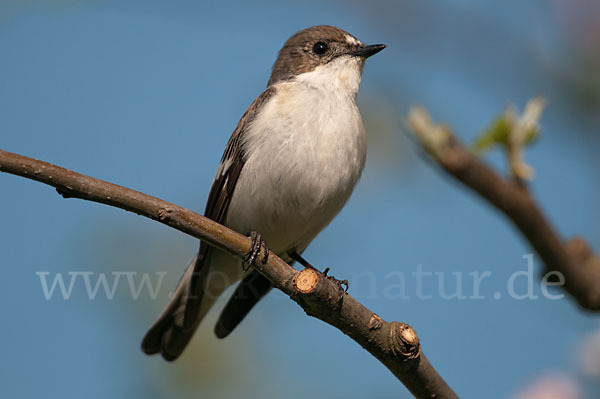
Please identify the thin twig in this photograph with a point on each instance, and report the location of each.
(573, 259)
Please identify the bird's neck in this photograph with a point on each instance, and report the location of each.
(339, 77)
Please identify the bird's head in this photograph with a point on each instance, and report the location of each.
(321, 53)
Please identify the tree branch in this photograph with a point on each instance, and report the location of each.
(394, 344)
(573, 259)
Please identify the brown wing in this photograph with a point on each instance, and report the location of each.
(167, 335)
(219, 199)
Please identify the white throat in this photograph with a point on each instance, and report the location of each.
(340, 76)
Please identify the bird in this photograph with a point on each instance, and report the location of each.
(288, 169)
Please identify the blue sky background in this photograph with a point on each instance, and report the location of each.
(146, 93)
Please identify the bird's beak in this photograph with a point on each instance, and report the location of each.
(367, 51)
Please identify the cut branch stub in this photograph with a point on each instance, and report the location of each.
(306, 281)
(312, 290)
(404, 341)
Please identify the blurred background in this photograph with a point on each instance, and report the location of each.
(146, 93)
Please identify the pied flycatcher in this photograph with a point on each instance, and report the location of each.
(288, 169)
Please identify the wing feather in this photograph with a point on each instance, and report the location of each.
(219, 198)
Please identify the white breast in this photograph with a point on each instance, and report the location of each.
(305, 152)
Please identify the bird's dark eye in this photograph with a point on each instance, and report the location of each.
(320, 48)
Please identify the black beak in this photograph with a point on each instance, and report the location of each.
(367, 51)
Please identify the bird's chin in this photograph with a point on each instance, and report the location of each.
(350, 72)
(341, 75)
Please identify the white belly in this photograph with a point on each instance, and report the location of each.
(306, 151)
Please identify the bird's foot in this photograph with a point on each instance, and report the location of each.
(257, 243)
(340, 283)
